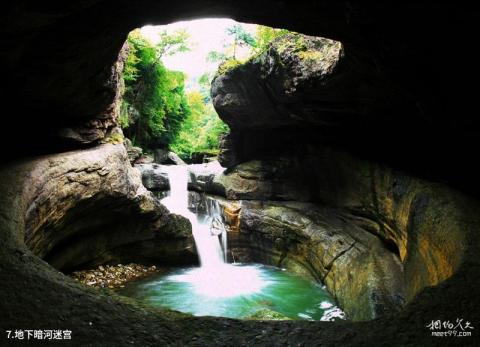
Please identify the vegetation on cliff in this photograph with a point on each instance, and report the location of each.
(165, 108)
(154, 104)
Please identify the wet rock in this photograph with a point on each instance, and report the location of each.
(356, 266)
(154, 177)
(160, 156)
(173, 158)
(203, 178)
(266, 314)
(145, 159)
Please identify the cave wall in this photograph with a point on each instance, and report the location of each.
(61, 58)
(375, 236)
(87, 207)
(300, 114)
(60, 79)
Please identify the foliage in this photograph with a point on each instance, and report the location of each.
(265, 35)
(201, 131)
(228, 65)
(216, 56)
(154, 104)
(204, 83)
(171, 44)
(240, 38)
(115, 138)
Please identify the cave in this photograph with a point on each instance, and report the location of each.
(373, 158)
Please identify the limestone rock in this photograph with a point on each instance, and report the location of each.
(160, 156)
(356, 266)
(134, 153)
(173, 158)
(286, 85)
(203, 178)
(87, 207)
(154, 177)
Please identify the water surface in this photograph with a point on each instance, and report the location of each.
(236, 291)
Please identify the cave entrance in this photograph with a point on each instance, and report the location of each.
(168, 120)
(166, 108)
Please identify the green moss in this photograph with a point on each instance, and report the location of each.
(114, 138)
(228, 65)
(310, 55)
(293, 42)
(266, 314)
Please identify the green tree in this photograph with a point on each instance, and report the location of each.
(201, 130)
(171, 44)
(154, 103)
(240, 38)
(264, 35)
(216, 56)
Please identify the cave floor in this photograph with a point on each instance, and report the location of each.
(34, 296)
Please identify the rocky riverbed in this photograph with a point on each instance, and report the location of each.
(115, 276)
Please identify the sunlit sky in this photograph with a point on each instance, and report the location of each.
(205, 35)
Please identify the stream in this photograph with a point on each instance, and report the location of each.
(217, 288)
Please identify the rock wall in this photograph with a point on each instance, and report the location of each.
(281, 147)
(89, 207)
(59, 74)
(374, 236)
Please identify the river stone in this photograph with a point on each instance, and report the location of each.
(154, 177)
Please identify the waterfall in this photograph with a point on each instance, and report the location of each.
(214, 278)
(207, 229)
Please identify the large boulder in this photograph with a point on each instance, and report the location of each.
(160, 155)
(288, 84)
(154, 177)
(204, 178)
(173, 158)
(302, 89)
(84, 208)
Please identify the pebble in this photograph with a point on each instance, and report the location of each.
(112, 276)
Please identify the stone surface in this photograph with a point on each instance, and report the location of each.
(267, 314)
(61, 79)
(173, 158)
(426, 224)
(291, 83)
(203, 178)
(113, 276)
(89, 207)
(154, 177)
(134, 153)
(160, 155)
(322, 243)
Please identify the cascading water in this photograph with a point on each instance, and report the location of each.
(214, 277)
(205, 229)
(221, 289)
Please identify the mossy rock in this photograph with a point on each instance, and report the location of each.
(266, 314)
